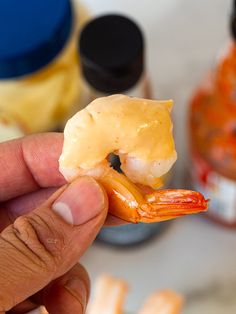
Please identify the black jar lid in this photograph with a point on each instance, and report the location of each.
(112, 53)
(233, 21)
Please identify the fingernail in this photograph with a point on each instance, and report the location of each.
(78, 289)
(80, 202)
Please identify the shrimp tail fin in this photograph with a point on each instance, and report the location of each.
(169, 204)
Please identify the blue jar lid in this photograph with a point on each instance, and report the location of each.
(32, 33)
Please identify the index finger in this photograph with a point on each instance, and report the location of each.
(30, 163)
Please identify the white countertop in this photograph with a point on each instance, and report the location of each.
(192, 256)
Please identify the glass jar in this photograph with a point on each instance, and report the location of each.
(112, 61)
(39, 76)
(213, 137)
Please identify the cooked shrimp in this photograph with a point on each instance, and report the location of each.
(139, 131)
(109, 296)
(163, 302)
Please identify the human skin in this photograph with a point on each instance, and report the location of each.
(46, 225)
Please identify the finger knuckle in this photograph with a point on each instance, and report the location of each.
(39, 237)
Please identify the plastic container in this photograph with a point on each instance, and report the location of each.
(39, 75)
(213, 136)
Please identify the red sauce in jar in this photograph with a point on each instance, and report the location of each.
(213, 139)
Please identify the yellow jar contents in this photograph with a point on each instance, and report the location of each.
(44, 99)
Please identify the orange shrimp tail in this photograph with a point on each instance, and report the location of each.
(169, 204)
(133, 204)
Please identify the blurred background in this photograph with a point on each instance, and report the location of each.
(192, 255)
(190, 57)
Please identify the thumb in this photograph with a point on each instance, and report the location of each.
(45, 244)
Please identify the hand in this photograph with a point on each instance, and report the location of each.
(44, 230)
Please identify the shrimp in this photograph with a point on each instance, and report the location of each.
(163, 302)
(139, 131)
(109, 295)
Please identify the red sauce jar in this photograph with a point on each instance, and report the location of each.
(212, 125)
